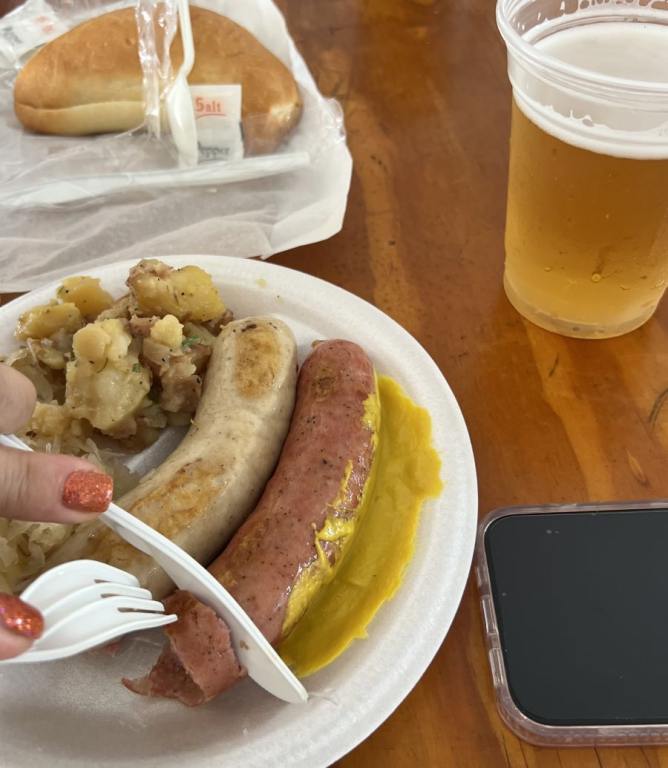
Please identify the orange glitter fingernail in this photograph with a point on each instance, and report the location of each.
(19, 617)
(88, 491)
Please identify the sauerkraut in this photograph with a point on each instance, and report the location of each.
(24, 548)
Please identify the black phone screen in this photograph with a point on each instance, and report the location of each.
(582, 606)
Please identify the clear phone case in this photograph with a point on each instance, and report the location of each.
(525, 727)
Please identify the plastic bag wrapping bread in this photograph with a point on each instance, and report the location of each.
(69, 203)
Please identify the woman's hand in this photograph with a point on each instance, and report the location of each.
(38, 487)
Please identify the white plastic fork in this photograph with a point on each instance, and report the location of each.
(251, 647)
(85, 604)
(178, 102)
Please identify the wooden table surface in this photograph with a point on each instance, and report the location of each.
(424, 89)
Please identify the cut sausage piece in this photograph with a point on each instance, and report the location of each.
(204, 490)
(198, 629)
(287, 548)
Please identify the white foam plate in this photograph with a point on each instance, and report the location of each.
(76, 713)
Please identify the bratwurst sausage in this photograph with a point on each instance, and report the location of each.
(204, 490)
(290, 544)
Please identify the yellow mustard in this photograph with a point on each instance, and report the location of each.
(343, 601)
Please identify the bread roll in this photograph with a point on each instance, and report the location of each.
(89, 80)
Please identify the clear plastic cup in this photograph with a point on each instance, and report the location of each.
(587, 216)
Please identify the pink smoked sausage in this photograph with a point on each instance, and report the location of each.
(320, 476)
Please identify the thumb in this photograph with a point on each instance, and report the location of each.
(20, 625)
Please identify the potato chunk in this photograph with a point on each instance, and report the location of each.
(51, 420)
(168, 331)
(187, 293)
(99, 342)
(52, 428)
(87, 294)
(46, 319)
(106, 384)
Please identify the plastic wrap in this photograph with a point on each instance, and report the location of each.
(69, 204)
(153, 19)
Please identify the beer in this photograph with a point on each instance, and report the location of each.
(587, 230)
(586, 234)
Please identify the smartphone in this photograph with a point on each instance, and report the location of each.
(575, 609)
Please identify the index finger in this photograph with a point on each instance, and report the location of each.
(17, 399)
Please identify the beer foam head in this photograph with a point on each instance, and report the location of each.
(592, 77)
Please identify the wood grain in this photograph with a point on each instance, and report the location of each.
(426, 100)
